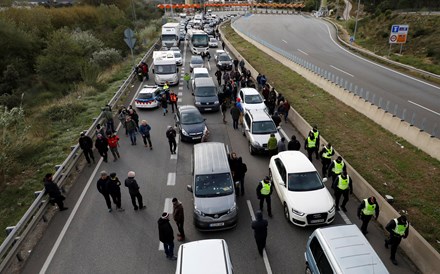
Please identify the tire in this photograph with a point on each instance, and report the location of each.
(251, 150)
(286, 212)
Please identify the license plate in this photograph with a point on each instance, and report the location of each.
(216, 224)
(316, 221)
(208, 108)
(196, 138)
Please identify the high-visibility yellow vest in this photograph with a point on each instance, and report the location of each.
(369, 209)
(316, 134)
(343, 183)
(338, 167)
(311, 143)
(328, 152)
(400, 229)
(165, 87)
(265, 190)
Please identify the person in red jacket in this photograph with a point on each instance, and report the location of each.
(113, 142)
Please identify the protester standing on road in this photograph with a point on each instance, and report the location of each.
(101, 145)
(240, 174)
(187, 78)
(366, 211)
(310, 145)
(86, 144)
(218, 74)
(130, 127)
(166, 235)
(264, 190)
(276, 119)
(133, 189)
(224, 108)
(260, 231)
(173, 100)
(343, 185)
(235, 114)
(286, 108)
(113, 143)
(281, 144)
(398, 229)
(114, 189)
(223, 45)
(171, 135)
(272, 145)
(144, 130)
(164, 104)
(102, 186)
(179, 218)
(99, 130)
(134, 116)
(326, 157)
(54, 192)
(293, 144)
(336, 168)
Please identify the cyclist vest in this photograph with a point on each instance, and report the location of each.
(328, 152)
(337, 167)
(265, 190)
(400, 229)
(369, 209)
(343, 184)
(311, 143)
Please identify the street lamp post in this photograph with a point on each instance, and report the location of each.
(356, 24)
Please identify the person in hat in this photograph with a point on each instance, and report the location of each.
(166, 235)
(259, 225)
(179, 218)
(101, 144)
(398, 229)
(54, 192)
(366, 210)
(86, 144)
(336, 168)
(133, 189)
(264, 191)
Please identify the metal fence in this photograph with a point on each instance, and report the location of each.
(367, 95)
(17, 234)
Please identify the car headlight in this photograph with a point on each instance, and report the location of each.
(198, 212)
(198, 103)
(332, 210)
(255, 144)
(296, 212)
(216, 102)
(232, 209)
(184, 132)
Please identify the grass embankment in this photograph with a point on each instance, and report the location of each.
(407, 174)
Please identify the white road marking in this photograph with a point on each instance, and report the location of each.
(284, 134)
(303, 52)
(168, 206)
(179, 100)
(345, 218)
(342, 71)
(181, 88)
(425, 108)
(179, 93)
(171, 179)
(284, 41)
(209, 66)
(265, 258)
(161, 246)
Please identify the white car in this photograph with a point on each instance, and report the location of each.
(218, 52)
(178, 57)
(213, 43)
(147, 97)
(251, 99)
(305, 198)
(198, 73)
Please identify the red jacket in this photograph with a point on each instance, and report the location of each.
(113, 141)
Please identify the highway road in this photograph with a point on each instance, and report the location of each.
(88, 239)
(314, 40)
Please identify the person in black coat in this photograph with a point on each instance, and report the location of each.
(86, 144)
(166, 235)
(133, 189)
(171, 136)
(114, 189)
(260, 231)
(398, 229)
(264, 191)
(366, 210)
(101, 145)
(293, 144)
(102, 186)
(240, 174)
(54, 192)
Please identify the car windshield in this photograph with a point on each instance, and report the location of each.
(168, 37)
(213, 40)
(201, 75)
(224, 57)
(253, 99)
(191, 118)
(164, 69)
(200, 40)
(213, 185)
(196, 60)
(205, 91)
(306, 181)
(177, 55)
(263, 127)
(145, 95)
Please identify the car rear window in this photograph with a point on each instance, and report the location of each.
(145, 96)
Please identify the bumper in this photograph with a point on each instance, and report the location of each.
(151, 104)
(206, 108)
(191, 138)
(307, 221)
(210, 224)
(225, 67)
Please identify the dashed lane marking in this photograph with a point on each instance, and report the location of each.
(171, 180)
(344, 217)
(179, 93)
(343, 71)
(303, 52)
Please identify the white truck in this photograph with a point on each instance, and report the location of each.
(170, 35)
(165, 68)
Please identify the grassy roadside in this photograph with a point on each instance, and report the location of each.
(407, 174)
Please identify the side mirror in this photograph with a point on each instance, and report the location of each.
(189, 188)
(324, 180)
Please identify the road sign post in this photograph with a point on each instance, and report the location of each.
(130, 41)
(398, 35)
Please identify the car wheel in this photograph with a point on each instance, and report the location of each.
(251, 150)
(308, 271)
(286, 212)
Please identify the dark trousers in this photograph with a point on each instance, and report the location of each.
(241, 186)
(107, 199)
(137, 196)
(394, 241)
(334, 176)
(88, 153)
(132, 134)
(269, 205)
(111, 125)
(219, 81)
(146, 138)
(235, 123)
(261, 244)
(59, 201)
(115, 152)
(173, 145)
(365, 220)
(180, 229)
(104, 155)
(310, 152)
(173, 104)
(116, 197)
(169, 249)
(325, 164)
(338, 193)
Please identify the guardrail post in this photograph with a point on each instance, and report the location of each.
(37, 193)
(9, 229)
(57, 167)
(72, 147)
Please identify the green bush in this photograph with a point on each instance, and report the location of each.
(64, 112)
(106, 57)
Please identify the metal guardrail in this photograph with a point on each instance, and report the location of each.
(9, 247)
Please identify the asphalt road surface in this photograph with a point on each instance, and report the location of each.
(314, 40)
(88, 239)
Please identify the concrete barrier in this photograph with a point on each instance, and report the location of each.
(424, 256)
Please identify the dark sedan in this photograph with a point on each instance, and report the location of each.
(191, 124)
(224, 62)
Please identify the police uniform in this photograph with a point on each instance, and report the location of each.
(342, 186)
(366, 211)
(264, 190)
(326, 158)
(398, 229)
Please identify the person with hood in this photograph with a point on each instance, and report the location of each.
(86, 144)
(281, 144)
(164, 104)
(101, 145)
(398, 229)
(166, 235)
(171, 135)
(235, 113)
(54, 192)
(108, 116)
(272, 145)
(133, 189)
(264, 191)
(114, 189)
(179, 218)
(260, 231)
(293, 144)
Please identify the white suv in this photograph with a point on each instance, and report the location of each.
(257, 128)
(251, 99)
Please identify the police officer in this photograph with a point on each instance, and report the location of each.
(326, 157)
(342, 185)
(398, 229)
(336, 168)
(366, 210)
(264, 190)
(310, 145)
(317, 138)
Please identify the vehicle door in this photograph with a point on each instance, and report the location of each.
(241, 96)
(280, 179)
(177, 120)
(247, 126)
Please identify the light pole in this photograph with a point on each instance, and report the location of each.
(356, 24)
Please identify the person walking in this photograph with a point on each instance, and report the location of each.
(272, 145)
(224, 108)
(108, 116)
(173, 100)
(114, 190)
(264, 191)
(130, 127)
(113, 143)
(144, 130)
(259, 225)
(235, 114)
(101, 145)
(317, 138)
(54, 192)
(164, 104)
(366, 210)
(99, 130)
(276, 119)
(286, 108)
(343, 185)
(336, 168)
(166, 235)
(240, 174)
(218, 74)
(293, 144)
(179, 218)
(86, 144)
(171, 135)
(102, 186)
(223, 45)
(326, 157)
(187, 78)
(281, 144)
(398, 229)
(310, 145)
(133, 189)
(134, 116)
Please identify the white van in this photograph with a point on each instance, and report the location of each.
(341, 249)
(165, 68)
(206, 256)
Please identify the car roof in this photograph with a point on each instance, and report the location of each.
(220, 51)
(210, 158)
(296, 162)
(249, 91)
(200, 82)
(188, 108)
(196, 57)
(259, 115)
(148, 89)
(200, 70)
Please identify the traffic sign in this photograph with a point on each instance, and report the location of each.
(398, 34)
(129, 38)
